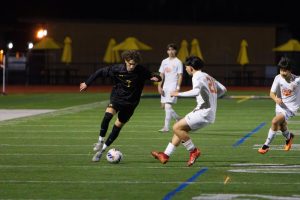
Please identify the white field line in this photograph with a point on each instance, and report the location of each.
(265, 168)
(133, 155)
(136, 182)
(295, 147)
(64, 111)
(243, 196)
(8, 114)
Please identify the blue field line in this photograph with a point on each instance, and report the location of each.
(249, 134)
(185, 184)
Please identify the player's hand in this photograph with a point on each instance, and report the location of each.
(174, 94)
(82, 86)
(155, 79)
(161, 91)
(278, 101)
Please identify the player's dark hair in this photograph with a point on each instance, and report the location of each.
(132, 55)
(172, 45)
(285, 63)
(194, 62)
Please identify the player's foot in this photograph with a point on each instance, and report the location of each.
(97, 156)
(161, 156)
(289, 142)
(264, 149)
(163, 130)
(98, 146)
(193, 156)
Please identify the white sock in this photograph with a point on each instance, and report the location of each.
(170, 149)
(174, 114)
(101, 139)
(168, 116)
(271, 136)
(189, 145)
(104, 147)
(286, 134)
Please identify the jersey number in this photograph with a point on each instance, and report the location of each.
(211, 85)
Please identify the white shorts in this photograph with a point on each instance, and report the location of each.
(167, 97)
(285, 111)
(199, 118)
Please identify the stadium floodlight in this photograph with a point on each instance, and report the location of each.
(10, 45)
(30, 45)
(41, 33)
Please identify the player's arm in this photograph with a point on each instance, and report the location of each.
(275, 98)
(221, 89)
(274, 91)
(103, 72)
(179, 81)
(160, 84)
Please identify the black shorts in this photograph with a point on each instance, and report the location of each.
(124, 111)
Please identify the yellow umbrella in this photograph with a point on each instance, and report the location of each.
(195, 49)
(291, 45)
(243, 56)
(183, 52)
(46, 43)
(67, 51)
(132, 43)
(111, 56)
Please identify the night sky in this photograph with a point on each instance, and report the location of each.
(194, 11)
(15, 13)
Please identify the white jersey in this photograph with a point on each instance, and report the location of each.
(288, 92)
(171, 67)
(206, 90)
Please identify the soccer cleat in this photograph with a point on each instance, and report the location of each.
(193, 156)
(97, 156)
(264, 149)
(98, 146)
(289, 142)
(161, 156)
(163, 130)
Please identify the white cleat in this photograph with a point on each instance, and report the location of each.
(163, 130)
(98, 146)
(97, 156)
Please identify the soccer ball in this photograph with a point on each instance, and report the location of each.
(114, 156)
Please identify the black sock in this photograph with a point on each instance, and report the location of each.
(113, 135)
(105, 122)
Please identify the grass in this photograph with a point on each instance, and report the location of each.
(49, 156)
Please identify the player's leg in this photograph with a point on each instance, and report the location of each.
(163, 157)
(108, 115)
(181, 129)
(174, 115)
(276, 122)
(288, 135)
(123, 116)
(163, 129)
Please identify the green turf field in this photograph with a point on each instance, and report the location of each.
(49, 156)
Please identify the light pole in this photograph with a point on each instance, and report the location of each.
(10, 45)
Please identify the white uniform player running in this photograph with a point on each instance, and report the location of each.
(285, 91)
(206, 90)
(171, 73)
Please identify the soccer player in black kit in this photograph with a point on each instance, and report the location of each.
(129, 79)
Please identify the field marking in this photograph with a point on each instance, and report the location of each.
(137, 182)
(185, 184)
(8, 114)
(239, 142)
(295, 147)
(243, 196)
(93, 165)
(266, 168)
(243, 99)
(63, 111)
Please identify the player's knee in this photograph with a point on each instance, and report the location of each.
(108, 116)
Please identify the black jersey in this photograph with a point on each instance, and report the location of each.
(128, 86)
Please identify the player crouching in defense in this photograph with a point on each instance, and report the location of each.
(285, 91)
(206, 90)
